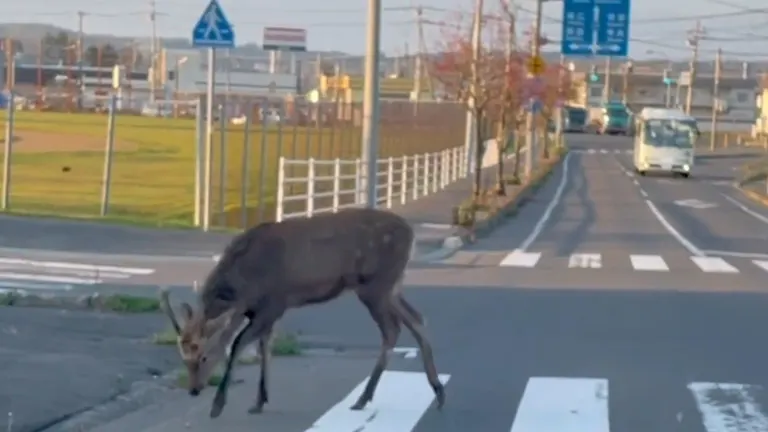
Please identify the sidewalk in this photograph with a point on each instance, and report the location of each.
(431, 215)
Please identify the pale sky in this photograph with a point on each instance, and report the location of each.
(340, 24)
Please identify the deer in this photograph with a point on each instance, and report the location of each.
(276, 266)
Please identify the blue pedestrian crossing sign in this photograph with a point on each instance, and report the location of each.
(213, 30)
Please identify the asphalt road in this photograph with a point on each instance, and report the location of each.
(531, 348)
(54, 364)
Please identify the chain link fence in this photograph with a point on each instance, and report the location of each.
(146, 166)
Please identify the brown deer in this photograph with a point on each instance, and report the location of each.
(273, 267)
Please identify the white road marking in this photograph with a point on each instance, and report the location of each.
(643, 193)
(48, 278)
(736, 254)
(603, 151)
(729, 407)
(548, 211)
(407, 352)
(585, 260)
(746, 210)
(713, 265)
(75, 266)
(648, 263)
(519, 258)
(762, 264)
(400, 402)
(637, 183)
(673, 232)
(23, 286)
(563, 405)
(591, 151)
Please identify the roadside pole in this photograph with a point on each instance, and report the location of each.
(370, 134)
(715, 100)
(213, 30)
(530, 121)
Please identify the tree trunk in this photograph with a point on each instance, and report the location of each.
(545, 147)
(501, 144)
(478, 187)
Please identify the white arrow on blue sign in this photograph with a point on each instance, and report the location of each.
(596, 27)
(213, 30)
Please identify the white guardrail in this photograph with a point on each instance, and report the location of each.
(329, 185)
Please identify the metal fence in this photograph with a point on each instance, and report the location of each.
(306, 187)
(148, 168)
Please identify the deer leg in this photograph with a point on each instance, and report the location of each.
(257, 327)
(411, 310)
(265, 355)
(417, 330)
(389, 326)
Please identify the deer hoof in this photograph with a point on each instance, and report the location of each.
(218, 405)
(440, 396)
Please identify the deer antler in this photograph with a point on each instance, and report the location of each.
(165, 304)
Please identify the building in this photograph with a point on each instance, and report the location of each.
(349, 88)
(737, 95)
(232, 77)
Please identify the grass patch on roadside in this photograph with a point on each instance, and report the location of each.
(130, 304)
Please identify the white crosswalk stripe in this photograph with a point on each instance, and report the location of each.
(22, 273)
(546, 403)
(635, 262)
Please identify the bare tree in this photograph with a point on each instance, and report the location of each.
(264, 272)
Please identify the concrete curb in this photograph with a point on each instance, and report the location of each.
(453, 243)
(756, 197)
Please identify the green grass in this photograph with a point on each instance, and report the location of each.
(154, 165)
(130, 304)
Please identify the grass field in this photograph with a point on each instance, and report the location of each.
(58, 161)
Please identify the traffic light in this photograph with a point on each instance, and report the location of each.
(593, 74)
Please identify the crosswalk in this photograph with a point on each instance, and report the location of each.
(602, 151)
(547, 403)
(634, 262)
(27, 274)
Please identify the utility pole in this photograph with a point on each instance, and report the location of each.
(153, 49)
(418, 62)
(607, 84)
(530, 121)
(80, 51)
(471, 121)
(716, 98)
(693, 41)
(370, 135)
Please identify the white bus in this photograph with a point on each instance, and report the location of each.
(664, 141)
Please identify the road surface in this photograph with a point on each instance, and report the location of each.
(634, 335)
(54, 364)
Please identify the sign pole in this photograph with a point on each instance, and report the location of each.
(209, 138)
(213, 30)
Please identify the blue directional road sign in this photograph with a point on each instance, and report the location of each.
(578, 27)
(213, 30)
(596, 27)
(612, 27)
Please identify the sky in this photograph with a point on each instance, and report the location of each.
(658, 27)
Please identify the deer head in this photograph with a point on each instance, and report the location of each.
(202, 343)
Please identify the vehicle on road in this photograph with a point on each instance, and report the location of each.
(665, 142)
(575, 119)
(616, 119)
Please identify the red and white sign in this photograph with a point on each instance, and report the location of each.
(284, 39)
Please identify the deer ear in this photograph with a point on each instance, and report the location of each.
(220, 322)
(186, 311)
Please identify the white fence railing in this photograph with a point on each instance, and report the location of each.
(310, 186)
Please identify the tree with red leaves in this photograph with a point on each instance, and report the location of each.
(479, 81)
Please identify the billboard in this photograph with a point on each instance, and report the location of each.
(284, 39)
